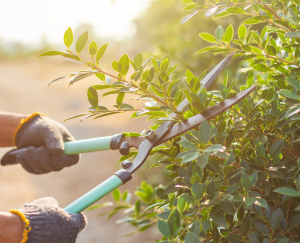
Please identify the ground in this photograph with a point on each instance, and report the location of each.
(23, 88)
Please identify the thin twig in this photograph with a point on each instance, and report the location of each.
(185, 229)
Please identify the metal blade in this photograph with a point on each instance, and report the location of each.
(209, 78)
(146, 146)
(208, 114)
(182, 127)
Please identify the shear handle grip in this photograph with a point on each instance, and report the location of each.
(120, 177)
(74, 147)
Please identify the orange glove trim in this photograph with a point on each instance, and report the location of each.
(26, 222)
(23, 120)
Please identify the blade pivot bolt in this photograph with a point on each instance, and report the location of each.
(150, 134)
(126, 164)
(124, 148)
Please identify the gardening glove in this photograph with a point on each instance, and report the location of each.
(44, 139)
(44, 221)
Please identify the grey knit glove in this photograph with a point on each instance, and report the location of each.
(50, 223)
(44, 139)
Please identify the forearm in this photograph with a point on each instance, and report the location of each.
(8, 124)
(11, 228)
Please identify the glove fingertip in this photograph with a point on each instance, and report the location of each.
(47, 200)
(83, 220)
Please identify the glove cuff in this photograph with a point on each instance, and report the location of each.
(26, 228)
(22, 122)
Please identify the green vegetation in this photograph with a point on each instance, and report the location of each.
(236, 178)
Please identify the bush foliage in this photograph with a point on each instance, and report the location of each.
(235, 178)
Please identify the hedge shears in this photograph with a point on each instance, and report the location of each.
(167, 130)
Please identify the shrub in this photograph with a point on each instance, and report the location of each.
(236, 178)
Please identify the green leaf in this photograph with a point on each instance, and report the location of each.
(260, 148)
(263, 229)
(51, 53)
(197, 190)
(206, 49)
(277, 217)
(202, 161)
(223, 90)
(250, 78)
(195, 227)
(75, 116)
(101, 76)
(246, 48)
(164, 228)
(271, 50)
(101, 52)
(138, 59)
(246, 225)
(295, 222)
(93, 48)
(120, 98)
(248, 201)
(116, 66)
(251, 21)
(292, 34)
(116, 194)
(174, 221)
(68, 37)
(242, 32)
(255, 238)
(190, 237)
(214, 148)
(55, 80)
(164, 66)
(253, 178)
(93, 97)
(246, 184)
(289, 94)
(186, 18)
(215, 234)
(256, 50)
(137, 207)
(235, 238)
(266, 187)
(101, 87)
(219, 32)
(125, 106)
(81, 42)
(219, 218)
(229, 33)
(210, 12)
(208, 37)
(204, 132)
(206, 225)
(276, 148)
(189, 157)
(124, 62)
(287, 192)
(188, 145)
(203, 95)
(261, 202)
(293, 82)
(181, 204)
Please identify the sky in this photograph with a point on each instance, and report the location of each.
(27, 20)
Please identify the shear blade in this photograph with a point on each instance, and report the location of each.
(184, 126)
(145, 145)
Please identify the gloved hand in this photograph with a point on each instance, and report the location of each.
(49, 223)
(44, 139)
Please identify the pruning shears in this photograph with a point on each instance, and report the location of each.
(166, 131)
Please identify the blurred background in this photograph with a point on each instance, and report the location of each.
(29, 28)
